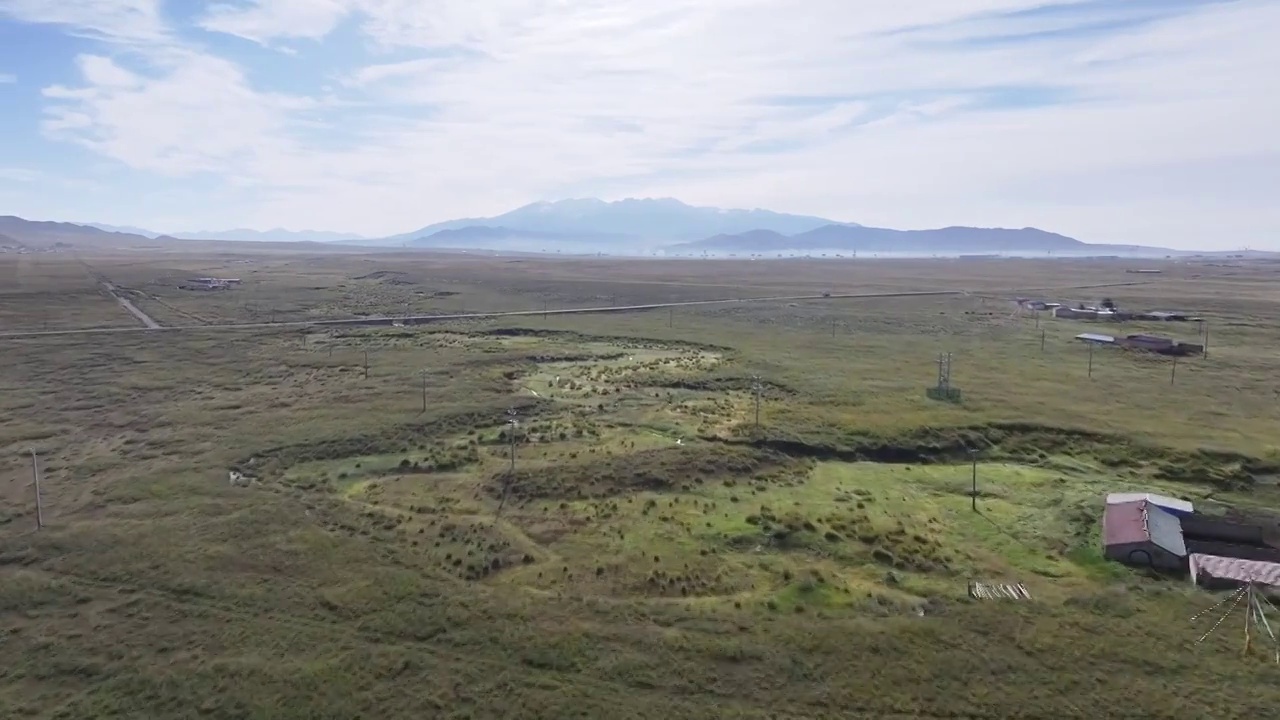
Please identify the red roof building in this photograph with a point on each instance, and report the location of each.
(1143, 534)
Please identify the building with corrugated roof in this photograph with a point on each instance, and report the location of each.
(1142, 534)
(1181, 508)
(1215, 571)
(1162, 345)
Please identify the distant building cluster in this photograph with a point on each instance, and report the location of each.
(1149, 343)
(1094, 313)
(210, 283)
(1107, 311)
(1163, 533)
(18, 249)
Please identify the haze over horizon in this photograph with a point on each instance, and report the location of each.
(1148, 123)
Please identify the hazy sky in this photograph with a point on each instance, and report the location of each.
(1142, 121)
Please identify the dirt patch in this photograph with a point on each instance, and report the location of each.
(1027, 444)
(768, 389)
(617, 340)
(273, 461)
(379, 275)
(658, 469)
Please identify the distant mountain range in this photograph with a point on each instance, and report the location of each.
(16, 232)
(238, 235)
(671, 227)
(504, 238)
(944, 241)
(658, 221)
(623, 227)
(37, 233)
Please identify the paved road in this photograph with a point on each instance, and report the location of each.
(144, 318)
(152, 326)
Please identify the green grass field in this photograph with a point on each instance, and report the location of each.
(657, 553)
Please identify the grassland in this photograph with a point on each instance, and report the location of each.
(657, 553)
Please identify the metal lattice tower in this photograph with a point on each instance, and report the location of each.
(944, 372)
(943, 389)
(512, 423)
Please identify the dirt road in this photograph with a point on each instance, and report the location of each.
(144, 318)
(152, 325)
(424, 319)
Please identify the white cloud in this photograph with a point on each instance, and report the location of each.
(508, 101)
(198, 115)
(265, 21)
(19, 175)
(114, 20)
(8, 78)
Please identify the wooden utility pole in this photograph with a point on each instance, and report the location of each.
(1091, 359)
(1248, 617)
(1206, 341)
(1042, 341)
(1037, 319)
(512, 422)
(833, 327)
(35, 473)
(544, 309)
(513, 448)
(366, 364)
(1173, 371)
(424, 390)
(671, 317)
(974, 493)
(755, 385)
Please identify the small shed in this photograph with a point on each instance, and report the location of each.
(1149, 342)
(1215, 571)
(1070, 313)
(1166, 316)
(1041, 305)
(1096, 338)
(1174, 506)
(1139, 533)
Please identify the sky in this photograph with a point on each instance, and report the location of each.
(1151, 122)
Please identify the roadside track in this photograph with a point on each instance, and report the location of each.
(152, 326)
(145, 319)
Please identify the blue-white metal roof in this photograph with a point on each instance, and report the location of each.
(1164, 529)
(1173, 505)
